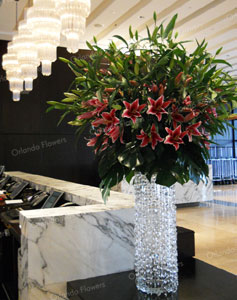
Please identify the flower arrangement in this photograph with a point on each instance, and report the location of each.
(151, 107)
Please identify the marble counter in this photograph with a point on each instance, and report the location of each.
(65, 244)
(187, 193)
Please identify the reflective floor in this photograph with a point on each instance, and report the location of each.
(215, 227)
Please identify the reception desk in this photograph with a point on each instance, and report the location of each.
(59, 245)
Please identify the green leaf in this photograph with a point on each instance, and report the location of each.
(163, 61)
(70, 95)
(219, 51)
(90, 46)
(136, 35)
(154, 34)
(221, 61)
(74, 69)
(148, 32)
(117, 106)
(80, 79)
(130, 32)
(49, 109)
(165, 178)
(136, 68)
(62, 117)
(155, 16)
(99, 95)
(105, 190)
(121, 39)
(130, 176)
(78, 62)
(111, 98)
(95, 40)
(64, 60)
(170, 26)
(58, 105)
(68, 100)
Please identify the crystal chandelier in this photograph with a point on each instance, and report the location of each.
(38, 37)
(73, 14)
(27, 54)
(46, 26)
(13, 71)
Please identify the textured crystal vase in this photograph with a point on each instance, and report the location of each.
(156, 264)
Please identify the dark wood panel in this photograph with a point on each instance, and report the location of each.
(25, 125)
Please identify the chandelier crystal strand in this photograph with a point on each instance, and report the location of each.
(73, 14)
(13, 71)
(16, 83)
(42, 17)
(27, 54)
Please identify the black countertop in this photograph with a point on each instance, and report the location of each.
(197, 281)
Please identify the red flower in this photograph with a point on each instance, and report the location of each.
(187, 101)
(175, 137)
(192, 130)
(154, 138)
(177, 117)
(189, 116)
(114, 133)
(133, 110)
(211, 111)
(157, 107)
(205, 138)
(100, 106)
(92, 142)
(108, 119)
(87, 115)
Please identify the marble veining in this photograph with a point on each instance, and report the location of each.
(69, 243)
(186, 193)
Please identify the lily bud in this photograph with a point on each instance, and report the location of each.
(188, 80)
(109, 90)
(178, 78)
(161, 89)
(154, 88)
(133, 82)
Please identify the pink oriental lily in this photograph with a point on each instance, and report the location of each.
(153, 138)
(192, 130)
(87, 115)
(157, 107)
(114, 134)
(176, 116)
(175, 137)
(133, 110)
(108, 119)
(99, 107)
(187, 101)
(92, 142)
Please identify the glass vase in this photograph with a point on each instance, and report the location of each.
(156, 265)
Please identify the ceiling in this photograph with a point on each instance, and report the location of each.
(215, 20)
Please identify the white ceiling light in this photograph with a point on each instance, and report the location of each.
(38, 37)
(45, 23)
(27, 54)
(73, 14)
(13, 71)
